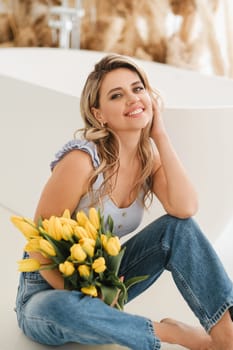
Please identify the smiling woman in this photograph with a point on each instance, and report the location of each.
(128, 100)
(125, 153)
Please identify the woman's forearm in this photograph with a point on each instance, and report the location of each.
(181, 194)
(53, 277)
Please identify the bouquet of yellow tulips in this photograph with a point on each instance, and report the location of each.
(85, 250)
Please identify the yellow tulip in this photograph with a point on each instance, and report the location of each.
(77, 252)
(84, 270)
(33, 245)
(26, 226)
(91, 230)
(66, 214)
(54, 228)
(91, 290)
(58, 228)
(67, 231)
(94, 218)
(71, 222)
(28, 265)
(88, 246)
(67, 268)
(80, 232)
(82, 218)
(47, 248)
(103, 239)
(99, 265)
(45, 224)
(30, 221)
(51, 226)
(112, 245)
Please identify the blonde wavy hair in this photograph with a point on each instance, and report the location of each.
(105, 139)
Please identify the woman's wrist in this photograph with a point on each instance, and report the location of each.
(159, 136)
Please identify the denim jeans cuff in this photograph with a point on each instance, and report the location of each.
(218, 315)
(157, 343)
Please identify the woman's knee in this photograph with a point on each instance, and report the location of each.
(175, 228)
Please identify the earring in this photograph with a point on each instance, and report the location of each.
(102, 124)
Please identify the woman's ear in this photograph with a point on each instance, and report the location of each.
(97, 114)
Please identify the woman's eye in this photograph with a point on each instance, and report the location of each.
(136, 89)
(114, 96)
(139, 88)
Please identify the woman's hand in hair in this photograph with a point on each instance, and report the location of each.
(157, 127)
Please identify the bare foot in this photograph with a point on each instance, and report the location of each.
(193, 338)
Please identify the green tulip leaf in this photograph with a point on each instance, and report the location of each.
(108, 293)
(114, 262)
(134, 280)
(110, 223)
(61, 247)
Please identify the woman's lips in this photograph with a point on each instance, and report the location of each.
(135, 112)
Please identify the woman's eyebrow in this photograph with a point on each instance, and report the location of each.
(113, 90)
(120, 88)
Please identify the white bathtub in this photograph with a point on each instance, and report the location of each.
(39, 110)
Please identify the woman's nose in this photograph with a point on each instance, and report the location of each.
(131, 99)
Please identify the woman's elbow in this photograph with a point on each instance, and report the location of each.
(184, 212)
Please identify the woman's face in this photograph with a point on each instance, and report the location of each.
(124, 103)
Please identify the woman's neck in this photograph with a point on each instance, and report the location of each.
(128, 150)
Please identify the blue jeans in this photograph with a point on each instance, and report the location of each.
(56, 317)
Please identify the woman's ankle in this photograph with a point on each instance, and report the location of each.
(222, 333)
(175, 332)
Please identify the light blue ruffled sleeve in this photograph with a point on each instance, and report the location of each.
(83, 145)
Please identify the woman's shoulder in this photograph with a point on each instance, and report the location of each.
(76, 144)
